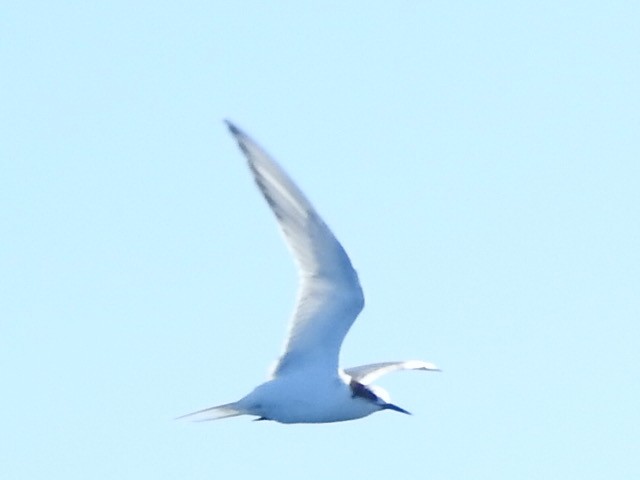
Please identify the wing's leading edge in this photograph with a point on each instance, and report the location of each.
(329, 293)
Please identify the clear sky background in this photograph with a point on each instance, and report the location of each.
(480, 161)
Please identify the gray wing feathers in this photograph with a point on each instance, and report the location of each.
(329, 296)
(366, 374)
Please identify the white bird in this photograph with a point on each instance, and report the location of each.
(307, 385)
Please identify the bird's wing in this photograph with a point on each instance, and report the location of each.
(329, 294)
(365, 374)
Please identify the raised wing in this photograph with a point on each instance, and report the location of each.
(329, 294)
(365, 374)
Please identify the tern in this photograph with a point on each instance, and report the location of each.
(307, 385)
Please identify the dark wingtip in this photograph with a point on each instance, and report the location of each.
(232, 128)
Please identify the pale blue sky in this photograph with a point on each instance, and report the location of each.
(480, 161)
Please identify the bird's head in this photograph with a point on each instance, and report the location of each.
(375, 395)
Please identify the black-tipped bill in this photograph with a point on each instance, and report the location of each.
(391, 406)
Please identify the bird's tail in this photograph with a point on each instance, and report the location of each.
(214, 413)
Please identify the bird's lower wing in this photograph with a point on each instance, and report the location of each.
(366, 374)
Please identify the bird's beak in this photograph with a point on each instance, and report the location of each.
(391, 406)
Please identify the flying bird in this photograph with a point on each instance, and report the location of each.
(307, 385)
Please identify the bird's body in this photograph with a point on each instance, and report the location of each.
(303, 398)
(307, 385)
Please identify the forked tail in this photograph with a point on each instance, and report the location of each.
(214, 413)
